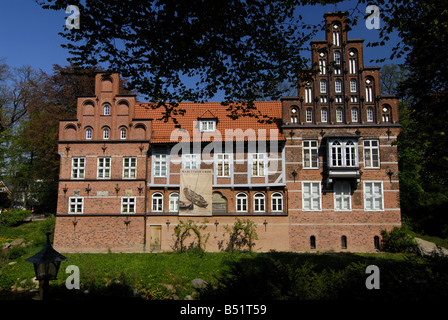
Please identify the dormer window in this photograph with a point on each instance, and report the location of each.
(207, 125)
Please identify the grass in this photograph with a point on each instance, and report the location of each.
(157, 275)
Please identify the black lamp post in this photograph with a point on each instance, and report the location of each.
(46, 266)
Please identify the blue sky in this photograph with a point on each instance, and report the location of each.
(29, 34)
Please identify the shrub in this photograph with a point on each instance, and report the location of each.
(183, 230)
(13, 217)
(241, 235)
(398, 240)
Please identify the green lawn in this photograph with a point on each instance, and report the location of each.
(168, 275)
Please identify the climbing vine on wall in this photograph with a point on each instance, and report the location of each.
(242, 235)
(190, 228)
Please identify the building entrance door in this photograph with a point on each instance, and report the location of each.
(155, 233)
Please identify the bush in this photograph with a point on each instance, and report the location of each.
(13, 217)
(398, 240)
(242, 235)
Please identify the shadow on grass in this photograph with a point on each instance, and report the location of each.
(291, 276)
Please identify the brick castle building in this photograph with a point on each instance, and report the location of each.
(323, 176)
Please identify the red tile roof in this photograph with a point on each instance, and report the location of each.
(246, 127)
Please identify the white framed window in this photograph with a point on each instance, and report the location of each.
(207, 125)
(323, 86)
(106, 133)
(385, 114)
(310, 154)
(259, 202)
(89, 134)
(157, 202)
(241, 202)
(174, 202)
(352, 65)
(342, 195)
(336, 38)
(343, 153)
(223, 161)
(78, 168)
(75, 205)
(311, 196)
(191, 161)
(309, 115)
(103, 168)
(258, 164)
(337, 58)
(322, 66)
(277, 202)
(160, 165)
(354, 114)
(294, 115)
(352, 85)
(339, 115)
(369, 114)
(308, 95)
(371, 154)
(106, 110)
(373, 195)
(129, 168)
(369, 92)
(128, 205)
(324, 115)
(123, 133)
(338, 86)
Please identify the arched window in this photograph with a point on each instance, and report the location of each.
(369, 114)
(336, 39)
(352, 62)
(312, 242)
(157, 202)
(337, 58)
(369, 90)
(354, 114)
(277, 202)
(309, 115)
(106, 133)
(89, 134)
(352, 85)
(322, 66)
(219, 203)
(106, 110)
(336, 154)
(376, 242)
(339, 115)
(324, 115)
(123, 133)
(174, 202)
(241, 202)
(259, 202)
(385, 114)
(308, 95)
(338, 86)
(294, 115)
(343, 242)
(323, 86)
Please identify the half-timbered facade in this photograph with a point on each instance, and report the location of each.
(322, 175)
